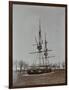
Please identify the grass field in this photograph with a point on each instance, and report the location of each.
(54, 77)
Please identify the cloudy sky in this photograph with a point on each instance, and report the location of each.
(26, 27)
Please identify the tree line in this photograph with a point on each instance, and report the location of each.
(20, 65)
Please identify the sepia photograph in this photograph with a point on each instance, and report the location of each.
(37, 44)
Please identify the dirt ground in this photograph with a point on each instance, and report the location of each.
(54, 77)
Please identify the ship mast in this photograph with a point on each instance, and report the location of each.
(46, 51)
(39, 48)
(39, 45)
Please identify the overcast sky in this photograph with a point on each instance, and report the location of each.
(26, 27)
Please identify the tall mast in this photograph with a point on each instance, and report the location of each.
(39, 32)
(39, 47)
(45, 51)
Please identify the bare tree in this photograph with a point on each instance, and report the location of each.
(58, 66)
(54, 66)
(21, 65)
(63, 65)
(15, 64)
(25, 65)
